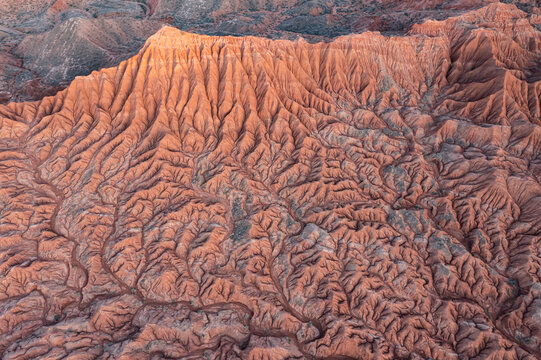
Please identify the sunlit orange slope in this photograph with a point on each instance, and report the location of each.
(218, 197)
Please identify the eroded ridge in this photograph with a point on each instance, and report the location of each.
(45, 44)
(218, 197)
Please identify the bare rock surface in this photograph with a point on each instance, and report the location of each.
(372, 197)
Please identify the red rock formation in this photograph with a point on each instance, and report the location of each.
(48, 43)
(216, 197)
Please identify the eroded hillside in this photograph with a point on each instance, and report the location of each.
(217, 197)
(45, 44)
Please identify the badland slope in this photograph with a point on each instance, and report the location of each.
(45, 44)
(371, 197)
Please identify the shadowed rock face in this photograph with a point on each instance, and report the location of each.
(217, 197)
(45, 44)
